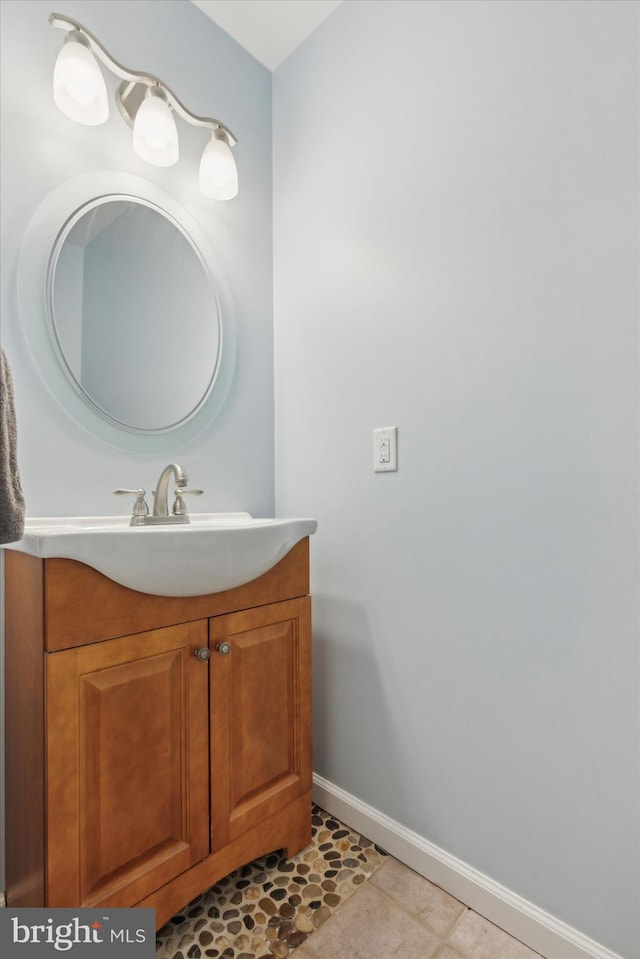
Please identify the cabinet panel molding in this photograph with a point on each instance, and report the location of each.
(131, 710)
(261, 709)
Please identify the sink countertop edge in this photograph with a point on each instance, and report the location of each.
(230, 561)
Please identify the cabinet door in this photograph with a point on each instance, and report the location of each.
(261, 714)
(127, 765)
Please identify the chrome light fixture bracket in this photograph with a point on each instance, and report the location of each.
(129, 98)
(135, 85)
(78, 37)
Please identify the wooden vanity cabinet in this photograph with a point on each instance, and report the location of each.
(154, 744)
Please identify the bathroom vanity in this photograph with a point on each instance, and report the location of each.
(154, 743)
(158, 669)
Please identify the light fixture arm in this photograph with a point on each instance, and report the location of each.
(134, 77)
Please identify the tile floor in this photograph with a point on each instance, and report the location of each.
(399, 915)
(340, 898)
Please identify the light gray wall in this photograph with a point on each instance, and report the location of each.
(456, 254)
(64, 469)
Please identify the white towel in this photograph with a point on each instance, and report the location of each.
(11, 496)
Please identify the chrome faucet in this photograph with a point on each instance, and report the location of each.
(161, 492)
(160, 513)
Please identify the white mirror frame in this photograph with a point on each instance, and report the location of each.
(33, 292)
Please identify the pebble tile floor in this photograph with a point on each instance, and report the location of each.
(340, 898)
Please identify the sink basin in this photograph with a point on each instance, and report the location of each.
(216, 551)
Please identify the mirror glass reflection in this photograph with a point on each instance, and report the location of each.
(134, 315)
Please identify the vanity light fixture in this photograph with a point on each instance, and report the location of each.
(155, 135)
(145, 103)
(79, 89)
(218, 174)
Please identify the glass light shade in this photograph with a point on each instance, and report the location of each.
(218, 174)
(79, 89)
(155, 135)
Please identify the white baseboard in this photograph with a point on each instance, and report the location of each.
(521, 919)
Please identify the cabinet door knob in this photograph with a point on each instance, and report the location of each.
(202, 653)
(223, 648)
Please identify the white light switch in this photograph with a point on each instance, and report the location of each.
(385, 449)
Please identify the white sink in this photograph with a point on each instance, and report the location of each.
(216, 551)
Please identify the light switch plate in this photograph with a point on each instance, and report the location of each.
(385, 449)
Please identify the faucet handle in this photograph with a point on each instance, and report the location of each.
(140, 508)
(179, 509)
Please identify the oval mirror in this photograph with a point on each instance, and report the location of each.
(134, 317)
(126, 312)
